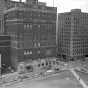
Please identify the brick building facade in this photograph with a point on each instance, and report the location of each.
(2, 5)
(33, 32)
(73, 34)
(5, 51)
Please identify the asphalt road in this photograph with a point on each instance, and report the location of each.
(59, 80)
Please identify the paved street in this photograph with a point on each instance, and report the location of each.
(62, 80)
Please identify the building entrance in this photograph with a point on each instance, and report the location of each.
(29, 68)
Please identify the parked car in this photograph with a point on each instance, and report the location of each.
(36, 74)
(47, 73)
(83, 59)
(12, 70)
(32, 75)
(42, 74)
(2, 76)
(83, 70)
(57, 69)
(50, 71)
(24, 77)
(3, 82)
(12, 80)
(9, 68)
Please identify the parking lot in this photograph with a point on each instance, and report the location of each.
(11, 76)
(59, 80)
(62, 65)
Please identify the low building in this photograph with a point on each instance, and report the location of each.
(30, 66)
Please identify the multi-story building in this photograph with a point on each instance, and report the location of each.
(33, 32)
(5, 51)
(73, 34)
(2, 5)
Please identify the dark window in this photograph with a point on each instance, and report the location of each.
(42, 64)
(46, 63)
(53, 62)
(38, 65)
(49, 63)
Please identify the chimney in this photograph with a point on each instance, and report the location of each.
(20, 0)
(28, 1)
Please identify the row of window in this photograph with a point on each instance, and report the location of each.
(80, 36)
(81, 49)
(30, 52)
(80, 14)
(37, 11)
(81, 46)
(77, 53)
(28, 45)
(45, 26)
(79, 39)
(80, 29)
(48, 51)
(82, 43)
(32, 26)
(42, 38)
(35, 15)
(31, 20)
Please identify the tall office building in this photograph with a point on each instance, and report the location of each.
(73, 34)
(2, 5)
(33, 32)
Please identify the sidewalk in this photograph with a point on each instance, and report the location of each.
(80, 80)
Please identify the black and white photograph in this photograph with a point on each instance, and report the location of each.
(43, 43)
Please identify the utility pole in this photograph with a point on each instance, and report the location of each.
(68, 61)
(0, 64)
(53, 3)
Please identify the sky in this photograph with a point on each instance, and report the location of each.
(66, 5)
